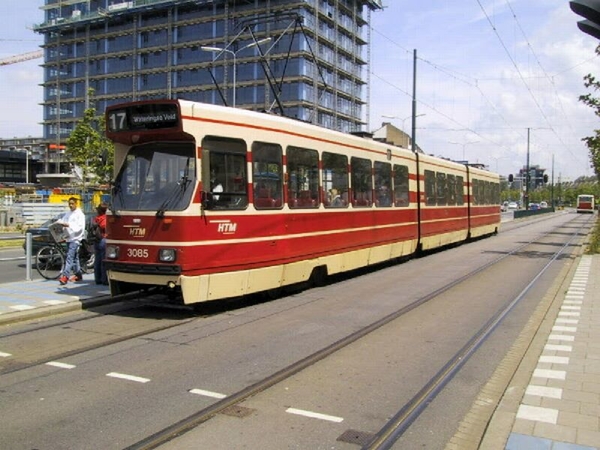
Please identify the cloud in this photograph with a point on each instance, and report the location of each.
(487, 73)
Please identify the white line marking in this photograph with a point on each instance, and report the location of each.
(566, 329)
(314, 415)
(22, 307)
(567, 321)
(127, 377)
(536, 413)
(572, 302)
(561, 337)
(554, 359)
(61, 365)
(551, 374)
(207, 393)
(558, 348)
(544, 391)
(4, 355)
(54, 302)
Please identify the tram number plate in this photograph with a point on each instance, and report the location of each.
(137, 253)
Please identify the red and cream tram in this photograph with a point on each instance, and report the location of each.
(220, 202)
(585, 203)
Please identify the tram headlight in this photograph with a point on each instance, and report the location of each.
(112, 252)
(167, 255)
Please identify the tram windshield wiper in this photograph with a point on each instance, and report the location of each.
(176, 194)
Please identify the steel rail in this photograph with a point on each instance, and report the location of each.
(401, 421)
(188, 423)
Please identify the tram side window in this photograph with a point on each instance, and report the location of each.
(478, 192)
(451, 191)
(303, 177)
(401, 185)
(335, 180)
(430, 192)
(440, 187)
(496, 200)
(383, 184)
(267, 170)
(362, 184)
(224, 173)
(460, 199)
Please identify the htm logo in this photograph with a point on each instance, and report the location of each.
(137, 232)
(226, 227)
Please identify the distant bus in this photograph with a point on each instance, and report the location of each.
(585, 203)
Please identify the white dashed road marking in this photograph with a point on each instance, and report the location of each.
(314, 415)
(207, 393)
(60, 365)
(124, 376)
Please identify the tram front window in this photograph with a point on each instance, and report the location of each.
(156, 177)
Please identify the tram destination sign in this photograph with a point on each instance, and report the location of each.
(143, 117)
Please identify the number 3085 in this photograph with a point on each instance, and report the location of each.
(137, 253)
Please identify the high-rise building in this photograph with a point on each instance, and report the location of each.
(303, 58)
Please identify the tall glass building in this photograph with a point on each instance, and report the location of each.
(303, 58)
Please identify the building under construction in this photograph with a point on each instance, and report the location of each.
(307, 59)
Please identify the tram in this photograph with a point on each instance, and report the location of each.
(585, 203)
(217, 202)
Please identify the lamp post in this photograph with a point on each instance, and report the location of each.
(463, 146)
(234, 54)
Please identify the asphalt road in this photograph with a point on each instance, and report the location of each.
(116, 394)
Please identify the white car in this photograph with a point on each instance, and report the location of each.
(513, 205)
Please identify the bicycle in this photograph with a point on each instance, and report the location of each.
(50, 259)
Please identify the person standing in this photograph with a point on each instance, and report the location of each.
(99, 229)
(74, 225)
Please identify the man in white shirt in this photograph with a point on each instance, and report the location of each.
(74, 224)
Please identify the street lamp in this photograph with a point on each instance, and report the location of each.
(233, 54)
(463, 146)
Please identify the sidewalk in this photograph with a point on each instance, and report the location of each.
(25, 300)
(548, 386)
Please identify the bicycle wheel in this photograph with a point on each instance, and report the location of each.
(49, 262)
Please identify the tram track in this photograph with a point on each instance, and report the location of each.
(127, 306)
(402, 420)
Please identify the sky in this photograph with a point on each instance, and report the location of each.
(489, 73)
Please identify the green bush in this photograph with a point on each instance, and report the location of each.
(594, 245)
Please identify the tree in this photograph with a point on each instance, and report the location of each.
(593, 142)
(89, 149)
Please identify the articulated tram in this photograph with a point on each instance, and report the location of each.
(218, 202)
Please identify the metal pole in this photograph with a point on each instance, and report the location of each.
(552, 188)
(28, 258)
(234, 77)
(27, 166)
(414, 103)
(527, 174)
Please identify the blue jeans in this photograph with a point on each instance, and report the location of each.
(72, 262)
(99, 264)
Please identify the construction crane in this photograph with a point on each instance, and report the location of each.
(22, 57)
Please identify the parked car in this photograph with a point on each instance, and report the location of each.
(543, 204)
(534, 206)
(513, 205)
